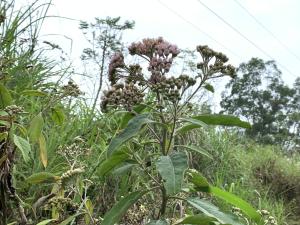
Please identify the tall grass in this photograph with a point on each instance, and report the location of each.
(263, 175)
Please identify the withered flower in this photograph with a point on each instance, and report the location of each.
(116, 62)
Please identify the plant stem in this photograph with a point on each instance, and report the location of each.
(164, 131)
(163, 203)
(173, 129)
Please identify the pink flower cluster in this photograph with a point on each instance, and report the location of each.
(117, 61)
(159, 52)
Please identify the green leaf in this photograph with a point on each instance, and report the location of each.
(196, 149)
(5, 97)
(44, 222)
(42, 177)
(209, 87)
(43, 150)
(223, 120)
(132, 129)
(129, 115)
(24, 146)
(197, 219)
(211, 210)
(200, 182)
(69, 220)
(115, 214)
(124, 168)
(5, 123)
(238, 202)
(111, 162)
(36, 127)
(171, 168)
(215, 119)
(90, 208)
(194, 124)
(58, 115)
(21, 128)
(158, 222)
(34, 93)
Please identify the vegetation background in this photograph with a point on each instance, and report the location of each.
(56, 160)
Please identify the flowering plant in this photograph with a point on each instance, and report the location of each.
(152, 134)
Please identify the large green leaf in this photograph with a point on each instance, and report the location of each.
(202, 184)
(158, 222)
(24, 146)
(171, 168)
(36, 127)
(197, 219)
(196, 149)
(115, 214)
(211, 210)
(116, 159)
(214, 119)
(238, 202)
(132, 129)
(129, 115)
(224, 120)
(42, 177)
(58, 115)
(5, 97)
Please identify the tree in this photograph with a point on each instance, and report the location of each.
(294, 118)
(104, 37)
(259, 94)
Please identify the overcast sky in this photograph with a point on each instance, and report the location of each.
(188, 23)
(182, 23)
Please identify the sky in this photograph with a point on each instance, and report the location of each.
(192, 22)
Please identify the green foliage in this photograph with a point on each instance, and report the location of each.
(69, 220)
(44, 222)
(202, 184)
(110, 163)
(24, 147)
(203, 120)
(197, 219)
(196, 149)
(171, 168)
(35, 129)
(5, 97)
(210, 210)
(133, 128)
(42, 177)
(158, 222)
(119, 209)
(244, 206)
